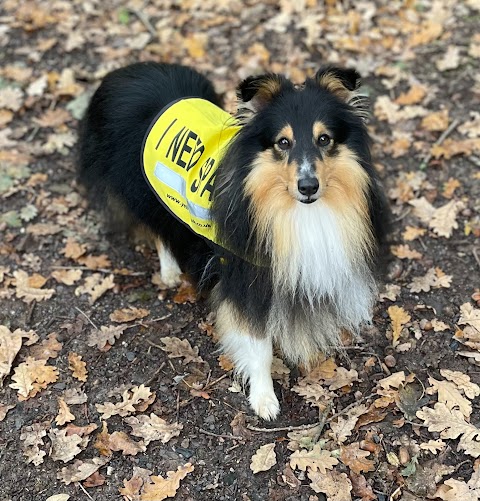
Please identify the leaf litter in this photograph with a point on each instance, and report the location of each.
(54, 258)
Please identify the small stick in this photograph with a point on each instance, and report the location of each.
(150, 381)
(231, 437)
(285, 428)
(351, 406)
(86, 316)
(144, 20)
(102, 270)
(83, 489)
(475, 255)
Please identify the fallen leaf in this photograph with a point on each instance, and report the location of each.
(58, 497)
(415, 95)
(181, 348)
(49, 348)
(399, 318)
(316, 459)
(395, 380)
(462, 381)
(163, 488)
(433, 446)
(355, 458)
(80, 470)
(427, 32)
(73, 249)
(131, 399)
(239, 428)
(436, 121)
(450, 186)
(106, 444)
(342, 378)
(152, 428)
(434, 278)
(186, 293)
(412, 233)
(32, 438)
(264, 458)
(67, 277)
(64, 414)
(131, 489)
(94, 480)
(360, 487)
(335, 485)
(77, 366)
(451, 424)
(95, 286)
(404, 252)
(95, 262)
(10, 344)
(65, 447)
(450, 60)
(27, 291)
(342, 428)
(106, 335)
(128, 314)
(32, 376)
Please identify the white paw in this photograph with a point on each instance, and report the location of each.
(264, 403)
(171, 276)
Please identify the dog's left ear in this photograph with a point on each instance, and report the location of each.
(256, 92)
(338, 81)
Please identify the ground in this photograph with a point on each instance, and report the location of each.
(409, 437)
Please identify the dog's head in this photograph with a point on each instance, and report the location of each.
(310, 140)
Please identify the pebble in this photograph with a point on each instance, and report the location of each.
(130, 356)
(390, 361)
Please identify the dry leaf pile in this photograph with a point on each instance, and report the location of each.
(111, 385)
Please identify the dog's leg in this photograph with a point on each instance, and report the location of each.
(169, 270)
(253, 360)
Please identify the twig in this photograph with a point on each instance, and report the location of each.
(475, 255)
(144, 20)
(101, 270)
(442, 138)
(149, 382)
(213, 383)
(285, 428)
(351, 406)
(231, 437)
(86, 316)
(83, 489)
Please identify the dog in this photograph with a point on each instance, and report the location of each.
(277, 209)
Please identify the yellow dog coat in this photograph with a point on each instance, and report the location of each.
(180, 156)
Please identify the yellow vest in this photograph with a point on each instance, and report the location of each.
(180, 156)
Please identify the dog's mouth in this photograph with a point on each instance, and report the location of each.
(307, 199)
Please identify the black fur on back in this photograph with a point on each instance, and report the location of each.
(111, 138)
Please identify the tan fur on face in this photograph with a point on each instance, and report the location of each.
(271, 185)
(318, 129)
(268, 185)
(287, 132)
(345, 184)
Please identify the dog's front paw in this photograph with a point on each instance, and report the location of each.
(171, 276)
(265, 404)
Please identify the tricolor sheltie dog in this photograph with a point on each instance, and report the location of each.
(294, 209)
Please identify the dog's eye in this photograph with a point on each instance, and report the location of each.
(284, 143)
(324, 140)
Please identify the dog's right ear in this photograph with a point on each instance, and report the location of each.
(256, 92)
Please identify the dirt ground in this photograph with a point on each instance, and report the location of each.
(420, 62)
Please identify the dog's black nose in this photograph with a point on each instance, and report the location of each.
(308, 186)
